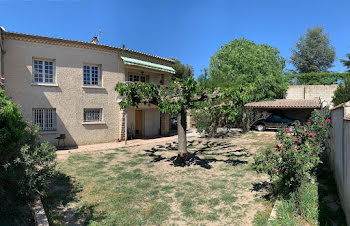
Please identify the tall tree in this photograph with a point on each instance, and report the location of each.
(183, 72)
(248, 72)
(346, 63)
(313, 52)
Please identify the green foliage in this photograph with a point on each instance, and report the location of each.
(342, 93)
(313, 52)
(183, 72)
(246, 72)
(317, 78)
(346, 63)
(25, 164)
(242, 62)
(179, 95)
(11, 127)
(298, 153)
(301, 208)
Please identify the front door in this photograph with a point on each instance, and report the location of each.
(138, 123)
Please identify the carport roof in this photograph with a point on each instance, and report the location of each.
(286, 104)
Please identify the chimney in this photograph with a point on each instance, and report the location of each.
(94, 40)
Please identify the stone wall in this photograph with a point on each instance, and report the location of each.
(339, 154)
(324, 92)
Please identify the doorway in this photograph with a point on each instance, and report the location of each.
(138, 123)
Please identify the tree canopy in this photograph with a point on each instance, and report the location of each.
(242, 62)
(345, 62)
(342, 93)
(183, 72)
(313, 52)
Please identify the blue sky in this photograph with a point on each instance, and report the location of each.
(191, 31)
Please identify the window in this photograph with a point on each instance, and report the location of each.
(43, 71)
(92, 75)
(137, 78)
(93, 115)
(45, 118)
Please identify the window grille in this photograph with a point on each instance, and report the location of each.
(92, 75)
(92, 115)
(43, 71)
(45, 118)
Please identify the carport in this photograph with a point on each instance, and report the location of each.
(296, 109)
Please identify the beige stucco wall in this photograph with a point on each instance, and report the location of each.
(324, 92)
(68, 97)
(339, 154)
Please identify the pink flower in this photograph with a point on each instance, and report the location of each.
(276, 171)
(308, 123)
(272, 169)
(295, 139)
(296, 148)
(298, 123)
(321, 124)
(328, 120)
(312, 135)
(287, 130)
(268, 164)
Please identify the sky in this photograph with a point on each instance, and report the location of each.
(191, 31)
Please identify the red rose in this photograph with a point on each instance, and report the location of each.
(296, 148)
(295, 139)
(328, 120)
(287, 130)
(308, 123)
(277, 146)
(312, 135)
(321, 124)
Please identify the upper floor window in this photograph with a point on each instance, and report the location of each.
(45, 118)
(137, 78)
(92, 75)
(43, 71)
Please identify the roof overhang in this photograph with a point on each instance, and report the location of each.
(146, 64)
(285, 104)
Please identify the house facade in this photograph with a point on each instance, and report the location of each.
(67, 87)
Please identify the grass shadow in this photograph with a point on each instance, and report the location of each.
(204, 155)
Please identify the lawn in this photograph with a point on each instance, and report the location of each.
(139, 185)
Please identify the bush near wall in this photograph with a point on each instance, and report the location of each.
(342, 93)
(317, 78)
(26, 164)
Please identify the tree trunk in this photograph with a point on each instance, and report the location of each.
(182, 140)
(213, 128)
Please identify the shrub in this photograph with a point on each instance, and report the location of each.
(342, 93)
(297, 153)
(25, 164)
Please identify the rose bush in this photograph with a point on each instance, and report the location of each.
(297, 153)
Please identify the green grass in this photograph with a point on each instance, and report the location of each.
(125, 187)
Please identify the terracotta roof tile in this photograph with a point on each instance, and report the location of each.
(286, 104)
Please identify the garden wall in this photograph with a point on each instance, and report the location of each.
(324, 92)
(339, 154)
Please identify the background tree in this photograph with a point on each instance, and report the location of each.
(346, 63)
(313, 52)
(183, 72)
(246, 72)
(342, 93)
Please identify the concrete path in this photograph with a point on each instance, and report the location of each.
(62, 154)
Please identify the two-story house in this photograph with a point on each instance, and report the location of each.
(67, 87)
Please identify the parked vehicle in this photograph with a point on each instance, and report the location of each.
(273, 122)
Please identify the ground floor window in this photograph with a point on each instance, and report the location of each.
(45, 118)
(92, 114)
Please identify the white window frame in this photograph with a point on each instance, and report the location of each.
(92, 112)
(89, 80)
(140, 78)
(44, 73)
(45, 118)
